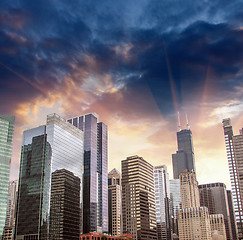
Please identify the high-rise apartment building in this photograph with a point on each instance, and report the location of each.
(162, 203)
(6, 139)
(232, 215)
(214, 197)
(138, 199)
(12, 198)
(189, 190)
(45, 149)
(65, 209)
(217, 226)
(175, 195)
(114, 202)
(95, 192)
(194, 223)
(234, 149)
(183, 159)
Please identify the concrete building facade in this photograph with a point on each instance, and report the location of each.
(138, 199)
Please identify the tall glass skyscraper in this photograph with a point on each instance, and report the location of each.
(162, 203)
(45, 149)
(95, 192)
(234, 149)
(6, 139)
(184, 158)
(175, 195)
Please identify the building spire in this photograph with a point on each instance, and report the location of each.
(179, 122)
(187, 122)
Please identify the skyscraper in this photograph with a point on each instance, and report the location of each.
(232, 215)
(45, 149)
(184, 158)
(194, 223)
(138, 200)
(214, 197)
(65, 206)
(6, 139)
(162, 203)
(193, 220)
(234, 149)
(95, 192)
(189, 190)
(115, 203)
(12, 197)
(175, 194)
(217, 226)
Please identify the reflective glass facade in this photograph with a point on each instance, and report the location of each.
(184, 158)
(176, 203)
(46, 149)
(6, 138)
(162, 199)
(95, 191)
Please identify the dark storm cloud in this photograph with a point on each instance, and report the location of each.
(154, 43)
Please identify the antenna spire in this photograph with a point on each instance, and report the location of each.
(187, 122)
(179, 122)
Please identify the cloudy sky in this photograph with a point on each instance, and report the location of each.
(134, 62)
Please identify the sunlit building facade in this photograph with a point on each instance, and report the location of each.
(234, 149)
(6, 139)
(95, 191)
(138, 199)
(162, 203)
(193, 220)
(194, 223)
(217, 226)
(189, 190)
(12, 198)
(114, 202)
(45, 149)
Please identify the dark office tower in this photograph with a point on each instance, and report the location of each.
(234, 149)
(6, 138)
(114, 202)
(214, 197)
(184, 158)
(45, 149)
(65, 206)
(232, 215)
(95, 192)
(138, 199)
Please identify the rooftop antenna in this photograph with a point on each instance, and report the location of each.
(187, 123)
(179, 123)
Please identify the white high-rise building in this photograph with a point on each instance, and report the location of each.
(162, 202)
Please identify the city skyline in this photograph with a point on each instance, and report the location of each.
(136, 68)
